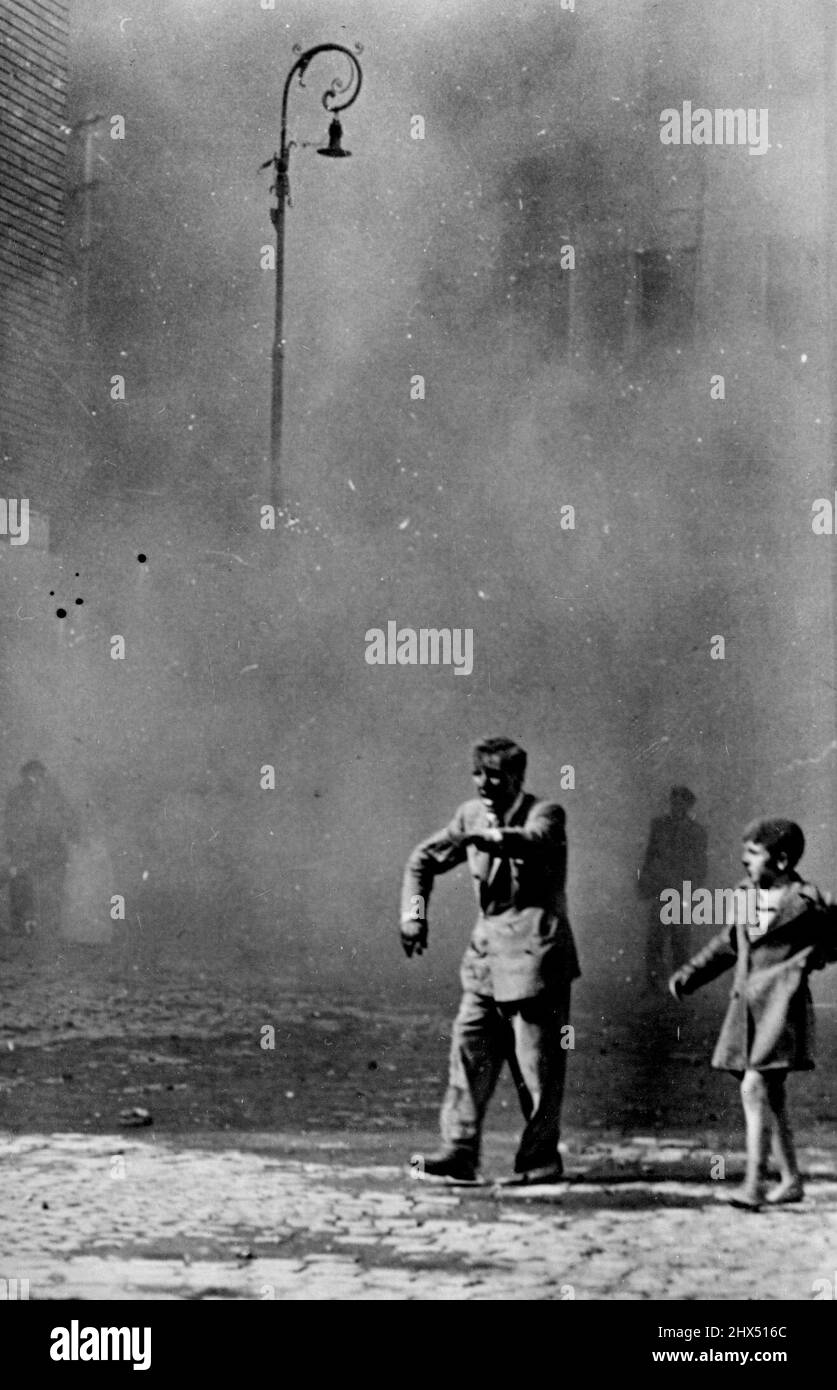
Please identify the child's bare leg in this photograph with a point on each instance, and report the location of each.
(757, 1117)
(784, 1153)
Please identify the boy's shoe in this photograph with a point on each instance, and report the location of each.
(747, 1198)
(536, 1177)
(791, 1191)
(454, 1166)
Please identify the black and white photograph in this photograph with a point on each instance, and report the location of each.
(418, 559)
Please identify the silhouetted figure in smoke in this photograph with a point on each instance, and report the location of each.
(676, 854)
(39, 829)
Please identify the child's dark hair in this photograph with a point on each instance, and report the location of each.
(778, 836)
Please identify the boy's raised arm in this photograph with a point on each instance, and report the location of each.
(718, 955)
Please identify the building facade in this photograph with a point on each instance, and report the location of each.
(33, 138)
(696, 331)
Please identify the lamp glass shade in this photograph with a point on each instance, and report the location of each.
(334, 149)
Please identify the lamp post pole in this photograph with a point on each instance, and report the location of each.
(337, 97)
(277, 217)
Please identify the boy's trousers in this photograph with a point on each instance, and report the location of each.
(527, 1034)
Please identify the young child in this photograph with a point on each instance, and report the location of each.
(768, 1028)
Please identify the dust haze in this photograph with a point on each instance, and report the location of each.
(439, 257)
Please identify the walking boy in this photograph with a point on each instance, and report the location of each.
(768, 1028)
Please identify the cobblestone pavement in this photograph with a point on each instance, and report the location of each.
(99, 1216)
(275, 1167)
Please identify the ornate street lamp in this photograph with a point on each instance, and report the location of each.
(336, 98)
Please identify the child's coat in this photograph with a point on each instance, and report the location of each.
(769, 1023)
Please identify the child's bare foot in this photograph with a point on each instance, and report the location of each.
(791, 1190)
(748, 1197)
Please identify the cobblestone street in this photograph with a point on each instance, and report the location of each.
(99, 1217)
(281, 1172)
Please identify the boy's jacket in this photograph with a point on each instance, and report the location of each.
(770, 1019)
(522, 943)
